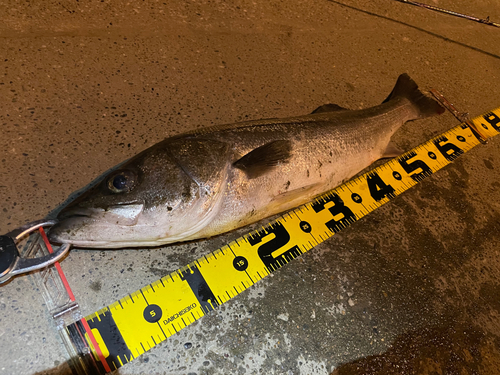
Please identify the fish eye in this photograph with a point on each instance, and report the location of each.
(121, 181)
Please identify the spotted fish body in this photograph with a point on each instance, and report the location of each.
(210, 181)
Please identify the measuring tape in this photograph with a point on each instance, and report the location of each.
(121, 332)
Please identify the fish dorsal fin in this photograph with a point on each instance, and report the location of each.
(203, 160)
(262, 159)
(329, 108)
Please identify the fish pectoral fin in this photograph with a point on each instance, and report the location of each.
(262, 159)
(391, 151)
(329, 108)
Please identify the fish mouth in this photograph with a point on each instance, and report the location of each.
(78, 212)
(85, 225)
(121, 214)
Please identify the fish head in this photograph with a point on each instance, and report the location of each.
(152, 199)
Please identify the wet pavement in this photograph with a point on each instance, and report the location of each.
(410, 289)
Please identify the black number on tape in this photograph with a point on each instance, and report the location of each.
(378, 188)
(414, 165)
(240, 263)
(265, 251)
(335, 225)
(448, 150)
(356, 198)
(152, 313)
(305, 226)
(493, 120)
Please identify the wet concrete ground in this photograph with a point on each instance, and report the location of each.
(411, 289)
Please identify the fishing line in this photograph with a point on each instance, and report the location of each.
(485, 21)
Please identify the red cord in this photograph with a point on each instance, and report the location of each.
(72, 298)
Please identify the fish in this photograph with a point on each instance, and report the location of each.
(210, 181)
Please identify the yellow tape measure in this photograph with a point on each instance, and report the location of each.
(131, 326)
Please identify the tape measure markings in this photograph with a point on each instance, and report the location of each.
(134, 324)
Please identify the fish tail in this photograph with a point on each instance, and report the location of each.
(407, 88)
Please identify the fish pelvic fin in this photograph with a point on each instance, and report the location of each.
(262, 159)
(293, 198)
(407, 88)
(328, 108)
(391, 151)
